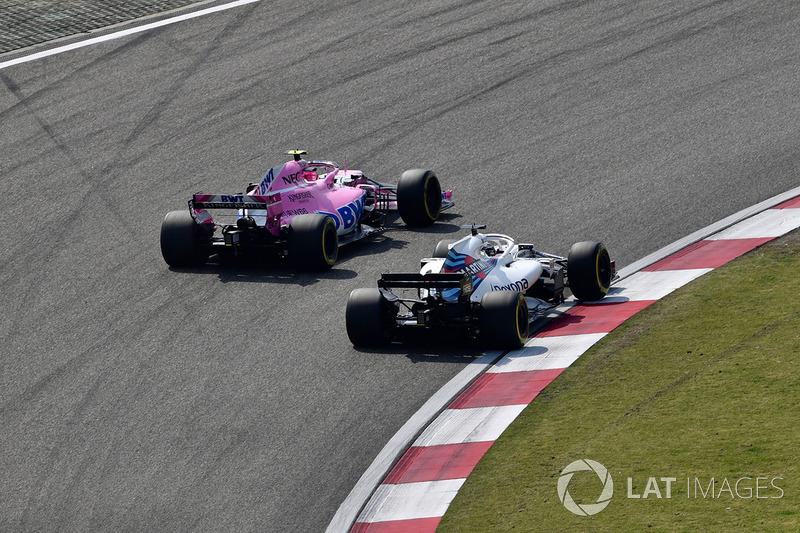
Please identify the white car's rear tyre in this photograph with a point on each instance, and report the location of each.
(183, 242)
(419, 197)
(366, 318)
(312, 242)
(589, 270)
(504, 321)
(442, 248)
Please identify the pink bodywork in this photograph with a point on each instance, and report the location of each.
(293, 189)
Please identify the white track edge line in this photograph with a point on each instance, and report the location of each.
(123, 33)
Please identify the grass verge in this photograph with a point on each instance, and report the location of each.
(702, 385)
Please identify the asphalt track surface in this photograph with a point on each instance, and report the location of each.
(228, 398)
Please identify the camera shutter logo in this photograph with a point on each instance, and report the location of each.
(586, 509)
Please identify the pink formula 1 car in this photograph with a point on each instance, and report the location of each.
(304, 210)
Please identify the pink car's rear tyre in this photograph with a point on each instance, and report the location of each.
(183, 242)
(313, 242)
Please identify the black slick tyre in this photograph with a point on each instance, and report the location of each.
(366, 318)
(589, 270)
(183, 242)
(504, 320)
(419, 197)
(312, 242)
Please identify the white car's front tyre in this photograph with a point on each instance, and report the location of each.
(589, 270)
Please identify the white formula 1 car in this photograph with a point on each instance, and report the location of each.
(484, 286)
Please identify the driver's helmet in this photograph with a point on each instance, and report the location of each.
(310, 175)
(488, 248)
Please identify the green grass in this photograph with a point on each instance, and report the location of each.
(702, 384)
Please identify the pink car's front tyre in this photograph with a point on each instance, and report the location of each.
(419, 197)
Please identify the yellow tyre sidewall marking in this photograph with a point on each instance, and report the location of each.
(332, 259)
(603, 288)
(427, 210)
(520, 301)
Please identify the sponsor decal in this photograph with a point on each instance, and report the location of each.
(351, 212)
(233, 201)
(292, 179)
(266, 182)
(301, 196)
(521, 286)
(347, 215)
(476, 268)
(295, 212)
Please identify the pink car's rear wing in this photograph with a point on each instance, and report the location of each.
(233, 201)
(270, 206)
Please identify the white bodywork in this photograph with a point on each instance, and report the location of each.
(495, 262)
